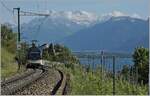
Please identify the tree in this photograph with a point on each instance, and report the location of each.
(51, 49)
(60, 53)
(141, 62)
(23, 52)
(125, 71)
(45, 54)
(8, 38)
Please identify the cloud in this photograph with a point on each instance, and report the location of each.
(136, 16)
(116, 13)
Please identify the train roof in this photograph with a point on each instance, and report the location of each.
(34, 49)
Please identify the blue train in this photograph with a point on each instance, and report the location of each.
(34, 56)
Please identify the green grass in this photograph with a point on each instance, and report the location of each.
(8, 65)
(91, 83)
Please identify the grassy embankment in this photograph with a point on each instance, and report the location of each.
(8, 65)
(8, 51)
(83, 83)
(86, 82)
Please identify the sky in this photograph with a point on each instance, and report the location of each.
(99, 7)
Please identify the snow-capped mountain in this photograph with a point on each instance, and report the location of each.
(121, 33)
(57, 25)
(78, 17)
(62, 24)
(106, 16)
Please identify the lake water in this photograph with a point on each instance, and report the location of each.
(107, 63)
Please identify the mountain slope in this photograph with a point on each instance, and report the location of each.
(136, 42)
(57, 25)
(111, 35)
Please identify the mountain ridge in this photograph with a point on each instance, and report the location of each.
(109, 35)
(61, 25)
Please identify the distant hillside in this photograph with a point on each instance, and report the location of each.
(129, 45)
(116, 34)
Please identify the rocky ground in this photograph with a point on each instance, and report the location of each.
(43, 86)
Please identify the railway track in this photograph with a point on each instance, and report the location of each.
(17, 77)
(16, 85)
(59, 87)
(11, 86)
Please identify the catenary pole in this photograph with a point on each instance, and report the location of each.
(18, 39)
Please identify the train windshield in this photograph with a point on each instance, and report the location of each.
(34, 55)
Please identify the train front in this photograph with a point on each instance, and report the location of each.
(34, 57)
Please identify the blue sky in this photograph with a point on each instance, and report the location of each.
(99, 7)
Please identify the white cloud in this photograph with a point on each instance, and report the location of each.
(136, 16)
(119, 13)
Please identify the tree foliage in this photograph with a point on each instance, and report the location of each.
(125, 71)
(9, 43)
(23, 52)
(141, 62)
(59, 53)
(8, 38)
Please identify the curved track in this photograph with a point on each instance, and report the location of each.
(9, 87)
(17, 77)
(14, 84)
(60, 86)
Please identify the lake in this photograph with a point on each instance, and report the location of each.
(107, 63)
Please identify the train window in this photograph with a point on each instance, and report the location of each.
(34, 55)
